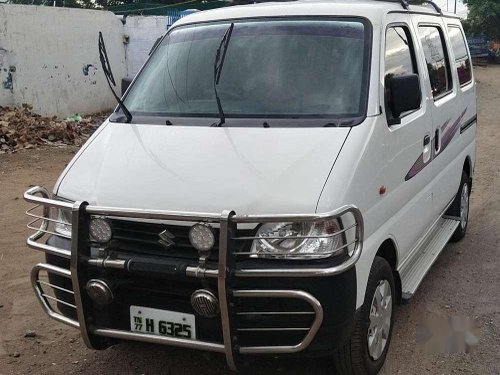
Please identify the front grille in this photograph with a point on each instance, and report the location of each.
(143, 238)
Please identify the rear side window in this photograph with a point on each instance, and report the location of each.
(399, 59)
(436, 58)
(462, 58)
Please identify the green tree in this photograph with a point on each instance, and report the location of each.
(483, 18)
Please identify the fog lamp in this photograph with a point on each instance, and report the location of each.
(100, 230)
(205, 303)
(202, 237)
(99, 291)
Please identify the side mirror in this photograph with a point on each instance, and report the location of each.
(405, 94)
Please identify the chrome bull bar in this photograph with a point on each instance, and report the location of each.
(44, 298)
(226, 271)
(40, 196)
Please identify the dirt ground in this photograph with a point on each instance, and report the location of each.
(465, 282)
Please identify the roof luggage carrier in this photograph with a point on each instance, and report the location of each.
(406, 4)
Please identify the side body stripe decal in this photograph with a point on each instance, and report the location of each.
(447, 134)
(468, 124)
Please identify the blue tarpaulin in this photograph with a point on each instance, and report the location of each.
(479, 46)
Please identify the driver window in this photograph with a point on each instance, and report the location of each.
(399, 60)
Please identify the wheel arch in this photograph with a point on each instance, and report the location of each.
(467, 168)
(388, 251)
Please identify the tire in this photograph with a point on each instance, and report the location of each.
(457, 207)
(355, 357)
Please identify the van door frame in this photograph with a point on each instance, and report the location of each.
(413, 193)
(445, 114)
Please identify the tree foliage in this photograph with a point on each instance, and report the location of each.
(483, 18)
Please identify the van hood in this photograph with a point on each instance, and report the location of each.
(203, 169)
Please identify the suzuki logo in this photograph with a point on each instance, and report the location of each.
(166, 239)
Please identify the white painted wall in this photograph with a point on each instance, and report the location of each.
(54, 52)
(7, 61)
(142, 32)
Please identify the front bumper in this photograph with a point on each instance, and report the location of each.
(266, 307)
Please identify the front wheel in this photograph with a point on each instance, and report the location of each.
(365, 352)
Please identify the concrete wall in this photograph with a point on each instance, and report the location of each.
(142, 32)
(49, 58)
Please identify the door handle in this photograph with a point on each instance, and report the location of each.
(427, 140)
(437, 141)
(427, 154)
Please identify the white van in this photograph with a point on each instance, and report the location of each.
(281, 176)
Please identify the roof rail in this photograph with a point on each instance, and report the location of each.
(406, 4)
(435, 6)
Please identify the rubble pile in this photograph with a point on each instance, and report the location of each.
(20, 128)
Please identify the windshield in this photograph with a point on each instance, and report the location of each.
(272, 69)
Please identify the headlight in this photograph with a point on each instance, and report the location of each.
(63, 217)
(302, 240)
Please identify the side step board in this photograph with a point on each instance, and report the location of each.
(413, 272)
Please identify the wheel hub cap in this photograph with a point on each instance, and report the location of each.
(380, 320)
(464, 206)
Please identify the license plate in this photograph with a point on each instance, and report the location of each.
(162, 322)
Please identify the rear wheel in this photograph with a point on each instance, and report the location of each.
(365, 352)
(460, 208)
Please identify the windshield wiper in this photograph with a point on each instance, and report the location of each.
(218, 64)
(106, 68)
